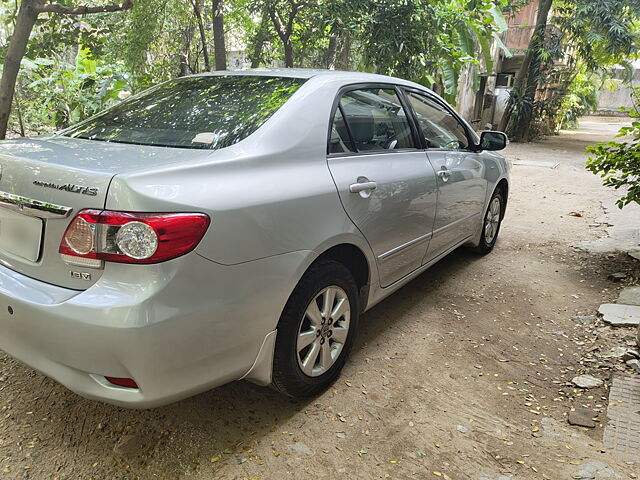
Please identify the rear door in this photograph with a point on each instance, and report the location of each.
(385, 182)
(462, 185)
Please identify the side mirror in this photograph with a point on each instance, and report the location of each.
(493, 141)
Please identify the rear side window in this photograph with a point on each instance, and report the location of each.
(376, 120)
(440, 128)
(208, 112)
(339, 142)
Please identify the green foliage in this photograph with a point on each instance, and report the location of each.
(603, 32)
(60, 93)
(618, 162)
(428, 42)
(581, 98)
(583, 36)
(140, 32)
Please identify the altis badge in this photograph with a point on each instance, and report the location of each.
(68, 187)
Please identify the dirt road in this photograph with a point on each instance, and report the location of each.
(463, 374)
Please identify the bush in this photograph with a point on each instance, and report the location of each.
(58, 94)
(618, 162)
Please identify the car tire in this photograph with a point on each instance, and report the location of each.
(491, 223)
(312, 346)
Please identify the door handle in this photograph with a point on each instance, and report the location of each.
(362, 186)
(444, 174)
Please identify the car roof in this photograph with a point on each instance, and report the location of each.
(307, 73)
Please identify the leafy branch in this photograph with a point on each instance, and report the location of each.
(618, 162)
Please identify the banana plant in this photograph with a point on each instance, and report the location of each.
(476, 31)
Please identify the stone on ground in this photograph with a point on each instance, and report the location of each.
(595, 470)
(618, 352)
(582, 417)
(634, 364)
(620, 315)
(302, 448)
(624, 353)
(131, 446)
(623, 229)
(617, 276)
(586, 381)
(629, 296)
(585, 319)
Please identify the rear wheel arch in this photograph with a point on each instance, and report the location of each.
(354, 259)
(348, 255)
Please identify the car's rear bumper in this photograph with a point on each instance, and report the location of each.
(177, 328)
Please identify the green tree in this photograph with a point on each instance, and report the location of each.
(283, 15)
(618, 162)
(585, 33)
(75, 90)
(431, 42)
(427, 41)
(26, 18)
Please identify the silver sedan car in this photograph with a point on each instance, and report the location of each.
(232, 226)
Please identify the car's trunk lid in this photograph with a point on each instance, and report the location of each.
(44, 182)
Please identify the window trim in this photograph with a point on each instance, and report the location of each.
(471, 139)
(417, 142)
(352, 144)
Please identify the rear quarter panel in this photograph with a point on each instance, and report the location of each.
(268, 195)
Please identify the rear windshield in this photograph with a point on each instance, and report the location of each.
(195, 112)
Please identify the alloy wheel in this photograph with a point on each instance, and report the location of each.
(492, 221)
(323, 331)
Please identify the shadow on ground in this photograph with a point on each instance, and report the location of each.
(171, 438)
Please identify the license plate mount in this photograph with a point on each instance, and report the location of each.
(20, 235)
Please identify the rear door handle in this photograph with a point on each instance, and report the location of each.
(362, 186)
(444, 174)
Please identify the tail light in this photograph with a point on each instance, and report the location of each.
(124, 237)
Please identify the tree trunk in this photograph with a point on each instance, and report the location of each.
(25, 21)
(288, 53)
(197, 10)
(260, 39)
(345, 52)
(218, 35)
(19, 110)
(527, 77)
(185, 68)
(521, 130)
(332, 51)
(284, 31)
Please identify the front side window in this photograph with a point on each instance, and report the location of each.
(376, 119)
(208, 112)
(440, 128)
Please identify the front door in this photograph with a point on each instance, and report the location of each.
(386, 184)
(462, 186)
